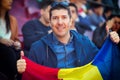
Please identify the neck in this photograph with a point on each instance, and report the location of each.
(44, 22)
(64, 39)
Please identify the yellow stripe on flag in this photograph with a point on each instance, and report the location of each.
(87, 72)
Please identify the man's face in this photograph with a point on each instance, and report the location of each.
(73, 12)
(45, 14)
(60, 22)
(116, 25)
(99, 10)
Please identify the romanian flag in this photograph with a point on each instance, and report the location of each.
(105, 66)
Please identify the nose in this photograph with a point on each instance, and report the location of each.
(59, 21)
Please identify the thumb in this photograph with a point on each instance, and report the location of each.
(21, 54)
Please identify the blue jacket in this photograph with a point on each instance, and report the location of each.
(42, 51)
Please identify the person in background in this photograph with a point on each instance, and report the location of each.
(63, 48)
(96, 18)
(81, 13)
(100, 33)
(115, 34)
(75, 25)
(115, 37)
(33, 30)
(107, 12)
(9, 42)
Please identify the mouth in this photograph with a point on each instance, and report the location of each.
(60, 28)
(10, 5)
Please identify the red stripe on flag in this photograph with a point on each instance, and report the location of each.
(39, 72)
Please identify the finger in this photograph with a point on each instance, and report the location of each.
(21, 65)
(111, 33)
(11, 42)
(21, 62)
(21, 54)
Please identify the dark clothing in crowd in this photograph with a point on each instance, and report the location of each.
(8, 58)
(99, 36)
(32, 31)
(81, 28)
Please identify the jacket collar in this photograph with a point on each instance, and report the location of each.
(49, 38)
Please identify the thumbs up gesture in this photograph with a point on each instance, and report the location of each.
(114, 37)
(21, 63)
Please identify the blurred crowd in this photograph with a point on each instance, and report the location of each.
(92, 15)
(23, 22)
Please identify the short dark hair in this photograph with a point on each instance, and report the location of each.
(58, 6)
(45, 4)
(114, 15)
(73, 5)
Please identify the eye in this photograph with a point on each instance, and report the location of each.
(64, 17)
(54, 17)
(73, 11)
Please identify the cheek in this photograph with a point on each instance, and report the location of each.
(52, 25)
(6, 6)
(47, 13)
(116, 27)
(53, 22)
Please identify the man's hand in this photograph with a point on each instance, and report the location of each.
(114, 37)
(21, 63)
(109, 25)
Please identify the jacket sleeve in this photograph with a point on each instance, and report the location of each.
(37, 52)
(91, 50)
(86, 50)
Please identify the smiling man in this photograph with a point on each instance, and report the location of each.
(62, 48)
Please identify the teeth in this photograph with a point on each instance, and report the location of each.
(60, 28)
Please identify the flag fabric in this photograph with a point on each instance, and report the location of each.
(38, 72)
(103, 67)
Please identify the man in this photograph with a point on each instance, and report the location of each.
(115, 37)
(115, 34)
(96, 18)
(100, 33)
(35, 29)
(62, 48)
(76, 25)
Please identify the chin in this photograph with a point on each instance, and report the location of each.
(9, 8)
(61, 35)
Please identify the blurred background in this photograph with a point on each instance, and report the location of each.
(25, 10)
